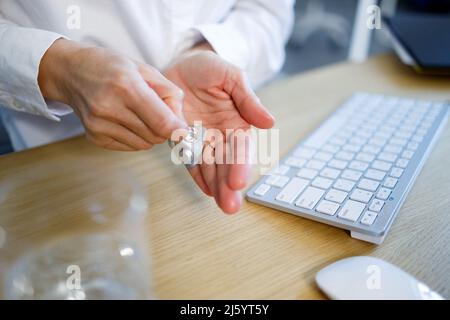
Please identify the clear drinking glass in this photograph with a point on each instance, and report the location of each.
(74, 231)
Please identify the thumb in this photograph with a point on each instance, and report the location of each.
(246, 101)
(165, 89)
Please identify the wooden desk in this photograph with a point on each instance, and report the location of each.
(260, 253)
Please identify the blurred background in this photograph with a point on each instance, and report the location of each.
(329, 25)
(323, 35)
(323, 30)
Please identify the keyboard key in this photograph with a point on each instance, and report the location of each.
(277, 181)
(384, 193)
(372, 149)
(396, 172)
(309, 198)
(376, 205)
(315, 164)
(336, 196)
(344, 134)
(338, 164)
(281, 170)
(383, 135)
(351, 175)
(295, 162)
(407, 154)
(367, 184)
(426, 123)
(344, 185)
(305, 153)
(403, 135)
(378, 142)
(262, 189)
(402, 163)
(408, 128)
(412, 146)
(381, 165)
(369, 218)
(364, 134)
(344, 155)
(292, 190)
(361, 195)
(417, 138)
(387, 156)
(307, 173)
(327, 207)
(411, 122)
(367, 157)
(390, 182)
(322, 183)
(388, 129)
(358, 141)
(351, 148)
(330, 148)
(323, 156)
(371, 127)
(330, 173)
(337, 141)
(399, 141)
(421, 132)
(358, 165)
(351, 210)
(392, 148)
(375, 174)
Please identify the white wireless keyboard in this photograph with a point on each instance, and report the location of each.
(355, 170)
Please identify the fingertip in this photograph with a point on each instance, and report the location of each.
(232, 205)
(268, 122)
(237, 184)
(230, 201)
(261, 118)
(182, 124)
(238, 176)
(176, 126)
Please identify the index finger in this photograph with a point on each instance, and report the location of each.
(156, 114)
(164, 88)
(247, 102)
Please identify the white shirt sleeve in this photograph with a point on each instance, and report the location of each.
(21, 52)
(253, 36)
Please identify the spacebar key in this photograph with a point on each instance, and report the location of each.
(325, 131)
(292, 190)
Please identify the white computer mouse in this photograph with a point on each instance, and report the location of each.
(367, 278)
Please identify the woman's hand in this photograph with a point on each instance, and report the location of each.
(218, 94)
(123, 105)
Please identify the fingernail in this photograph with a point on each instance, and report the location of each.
(182, 124)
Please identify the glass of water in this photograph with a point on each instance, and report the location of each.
(74, 231)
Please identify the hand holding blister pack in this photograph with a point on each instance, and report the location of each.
(187, 149)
